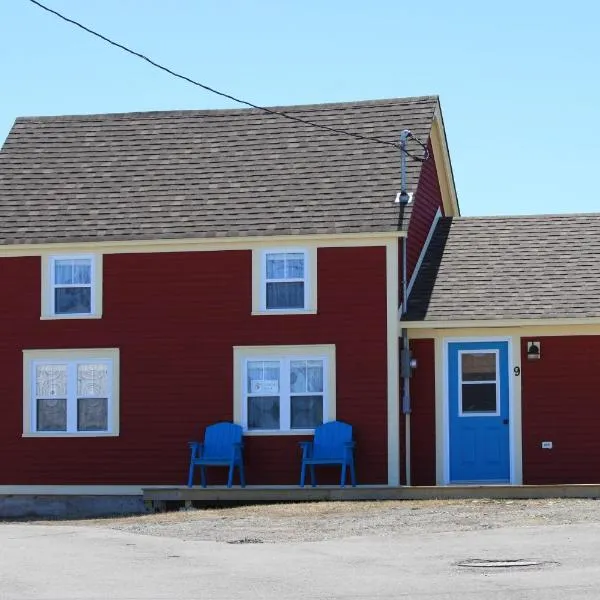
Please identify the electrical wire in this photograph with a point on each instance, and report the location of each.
(425, 149)
(229, 96)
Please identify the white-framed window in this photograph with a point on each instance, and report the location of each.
(284, 390)
(71, 286)
(284, 281)
(71, 392)
(479, 387)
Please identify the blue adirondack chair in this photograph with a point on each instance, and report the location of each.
(222, 447)
(332, 445)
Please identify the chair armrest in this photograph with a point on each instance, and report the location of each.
(236, 449)
(307, 448)
(196, 448)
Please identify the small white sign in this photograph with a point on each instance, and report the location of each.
(265, 386)
(547, 445)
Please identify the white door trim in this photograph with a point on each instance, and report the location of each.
(514, 406)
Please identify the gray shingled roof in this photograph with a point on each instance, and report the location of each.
(210, 173)
(532, 267)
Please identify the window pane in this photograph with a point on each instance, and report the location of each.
(263, 377)
(51, 381)
(479, 398)
(306, 411)
(315, 376)
(285, 295)
(52, 414)
(306, 376)
(478, 367)
(298, 376)
(275, 266)
(73, 271)
(294, 266)
(92, 380)
(263, 412)
(63, 271)
(92, 414)
(72, 300)
(82, 271)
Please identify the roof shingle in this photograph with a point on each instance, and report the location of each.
(220, 173)
(531, 267)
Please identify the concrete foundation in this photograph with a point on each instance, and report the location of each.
(68, 506)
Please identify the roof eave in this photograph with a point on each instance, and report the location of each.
(439, 143)
(493, 323)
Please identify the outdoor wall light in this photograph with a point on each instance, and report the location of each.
(407, 363)
(534, 350)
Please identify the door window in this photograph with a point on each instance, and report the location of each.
(478, 383)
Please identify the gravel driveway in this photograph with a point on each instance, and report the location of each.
(310, 522)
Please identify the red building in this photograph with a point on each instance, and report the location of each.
(181, 268)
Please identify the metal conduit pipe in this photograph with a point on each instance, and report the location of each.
(404, 352)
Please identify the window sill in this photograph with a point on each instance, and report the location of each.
(262, 313)
(63, 434)
(276, 432)
(68, 317)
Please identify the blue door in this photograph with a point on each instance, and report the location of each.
(478, 409)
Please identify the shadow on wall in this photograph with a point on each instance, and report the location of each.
(418, 302)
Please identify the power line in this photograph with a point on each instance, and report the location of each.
(229, 96)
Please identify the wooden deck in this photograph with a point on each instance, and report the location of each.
(161, 497)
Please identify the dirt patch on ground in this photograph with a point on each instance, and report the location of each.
(308, 522)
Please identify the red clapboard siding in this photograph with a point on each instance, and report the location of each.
(560, 404)
(176, 318)
(422, 388)
(426, 202)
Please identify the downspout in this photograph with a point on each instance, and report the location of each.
(405, 368)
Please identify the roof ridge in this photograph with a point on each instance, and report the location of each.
(228, 112)
(525, 217)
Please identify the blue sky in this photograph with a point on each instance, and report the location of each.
(519, 81)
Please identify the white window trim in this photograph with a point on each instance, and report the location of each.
(241, 356)
(33, 357)
(259, 280)
(48, 273)
(496, 381)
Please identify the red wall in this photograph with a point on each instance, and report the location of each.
(561, 404)
(176, 318)
(422, 391)
(427, 200)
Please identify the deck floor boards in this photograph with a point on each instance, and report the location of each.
(319, 493)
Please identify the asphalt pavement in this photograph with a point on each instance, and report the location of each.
(91, 562)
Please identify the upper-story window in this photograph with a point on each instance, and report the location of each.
(285, 281)
(72, 286)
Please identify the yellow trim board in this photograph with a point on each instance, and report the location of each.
(541, 330)
(201, 244)
(393, 360)
(443, 165)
